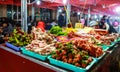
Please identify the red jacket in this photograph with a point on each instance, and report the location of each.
(41, 25)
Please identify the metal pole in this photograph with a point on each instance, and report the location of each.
(68, 13)
(12, 12)
(57, 14)
(33, 12)
(17, 13)
(24, 15)
(88, 17)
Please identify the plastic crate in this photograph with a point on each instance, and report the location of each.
(70, 66)
(33, 54)
(11, 46)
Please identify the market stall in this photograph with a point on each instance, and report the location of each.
(79, 49)
(65, 49)
(107, 63)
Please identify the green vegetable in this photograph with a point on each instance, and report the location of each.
(62, 33)
(20, 38)
(55, 30)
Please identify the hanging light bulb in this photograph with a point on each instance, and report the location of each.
(95, 16)
(103, 6)
(101, 16)
(60, 10)
(64, 2)
(38, 2)
(78, 13)
(89, 15)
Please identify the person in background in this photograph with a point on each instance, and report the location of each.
(61, 20)
(94, 24)
(103, 23)
(91, 22)
(111, 28)
(11, 28)
(85, 24)
(54, 23)
(118, 28)
(73, 19)
(82, 20)
(79, 25)
(34, 23)
(18, 26)
(41, 25)
(48, 26)
(1, 36)
(29, 24)
(116, 25)
(5, 29)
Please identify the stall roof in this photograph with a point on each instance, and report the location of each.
(97, 6)
(10, 2)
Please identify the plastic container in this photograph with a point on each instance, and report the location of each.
(105, 47)
(33, 54)
(70, 66)
(99, 58)
(112, 44)
(117, 40)
(11, 46)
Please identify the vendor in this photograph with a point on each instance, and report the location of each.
(61, 20)
(94, 24)
(105, 24)
(5, 29)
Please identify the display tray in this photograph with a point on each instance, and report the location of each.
(33, 54)
(70, 66)
(11, 46)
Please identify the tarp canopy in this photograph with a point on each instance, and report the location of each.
(11, 2)
(96, 6)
